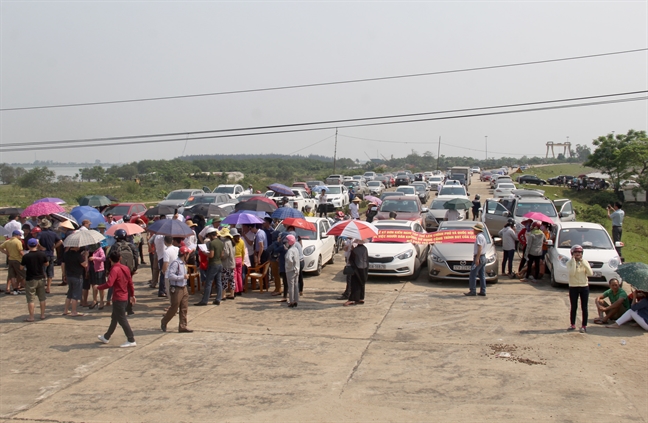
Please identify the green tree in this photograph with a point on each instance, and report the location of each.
(582, 152)
(608, 156)
(637, 152)
(37, 177)
(7, 174)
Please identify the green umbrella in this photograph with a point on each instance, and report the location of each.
(95, 201)
(636, 274)
(457, 204)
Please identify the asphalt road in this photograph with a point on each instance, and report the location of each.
(415, 351)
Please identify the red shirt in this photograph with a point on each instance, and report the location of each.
(121, 282)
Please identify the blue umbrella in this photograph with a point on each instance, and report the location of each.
(81, 213)
(284, 212)
(241, 218)
(172, 227)
(281, 189)
(319, 188)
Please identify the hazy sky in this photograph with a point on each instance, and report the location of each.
(69, 52)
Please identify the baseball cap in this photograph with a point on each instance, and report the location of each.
(16, 233)
(33, 242)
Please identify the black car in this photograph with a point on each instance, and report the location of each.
(558, 180)
(531, 179)
(402, 179)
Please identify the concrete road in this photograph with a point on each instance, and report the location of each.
(415, 351)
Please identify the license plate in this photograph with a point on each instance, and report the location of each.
(377, 266)
(466, 267)
(597, 274)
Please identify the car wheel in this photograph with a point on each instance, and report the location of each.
(318, 271)
(553, 281)
(332, 259)
(417, 269)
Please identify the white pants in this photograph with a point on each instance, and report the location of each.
(632, 315)
(293, 286)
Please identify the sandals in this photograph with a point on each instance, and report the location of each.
(349, 303)
(599, 321)
(93, 305)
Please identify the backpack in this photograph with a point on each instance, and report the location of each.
(127, 258)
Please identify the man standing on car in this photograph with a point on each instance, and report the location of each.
(479, 263)
(616, 214)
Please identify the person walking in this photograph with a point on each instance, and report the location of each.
(359, 261)
(476, 206)
(178, 293)
(34, 263)
(292, 269)
(616, 214)
(533, 252)
(13, 248)
(76, 262)
(354, 208)
(478, 268)
(508, 246)
(123, 289)
(321, 203)
(578, 270)
(239, 256)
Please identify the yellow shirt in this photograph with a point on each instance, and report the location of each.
(239, 249)
(309, 214)
(14, 248)
(578, 273)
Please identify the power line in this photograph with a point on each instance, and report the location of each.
(322, 84)
(325, 122)
(149, 141)
(311, 145)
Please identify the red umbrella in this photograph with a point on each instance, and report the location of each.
(41, 209)
(263, 199)
(130, 228)
(357, 229)
(539, 216)
(299, 223)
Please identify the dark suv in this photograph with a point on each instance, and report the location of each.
(402, 179)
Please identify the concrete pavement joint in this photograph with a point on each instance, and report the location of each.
(371, 340)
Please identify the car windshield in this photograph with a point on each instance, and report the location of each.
(303, 233)
(374, 183)
(586, 237)
(200, 200)
(547, 209)
(248, 196)
(452, 191)
(436, 179)
(401, 175)
(506, 186)
(117, 210)
(389, 194)
(178, 195)
(404, 206)
(420, 188)
(334, 190)
(226, 190)
(351, 184)
(406, 190)
(312, 184)
(438, 204)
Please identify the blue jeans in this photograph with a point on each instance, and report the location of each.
(478, 271)
(161, 286)
(213, 271)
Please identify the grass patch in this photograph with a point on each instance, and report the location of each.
(544, 172)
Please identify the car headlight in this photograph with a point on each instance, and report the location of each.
(437, 258)
(614, 263)
(309, 250)
(563, 260)
(407, 254)
(491, 259)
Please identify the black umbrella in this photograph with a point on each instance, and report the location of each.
(158, 210)
(255, 206)
(10, 210)
(112, 198)
(201, 209)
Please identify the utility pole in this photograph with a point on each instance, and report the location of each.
(438, 152)
(486, 137)
(335, 150)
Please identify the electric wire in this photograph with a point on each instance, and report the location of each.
(322, 84)
(325, 122)
(284, 131)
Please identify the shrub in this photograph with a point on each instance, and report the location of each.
(594, 214)
(603, 198)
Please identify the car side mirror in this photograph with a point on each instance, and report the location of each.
(549, 243)
(468, 194)
(619, 244)
(323, 235)
(564, 214)
(505, 214)
(424, 210)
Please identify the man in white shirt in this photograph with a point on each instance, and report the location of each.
(158, 241)
(354, 209)
(452, 215)
(321, 204)
(170, 255)
(479, 263)
(13, 224)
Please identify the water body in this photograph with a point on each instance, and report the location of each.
(63, 170)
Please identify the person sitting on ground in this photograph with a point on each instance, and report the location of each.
(638, 311)
(619, 303)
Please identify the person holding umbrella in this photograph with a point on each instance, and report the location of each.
(533, 252)
(359, 262)
(76, 262)
(122, 283)
(476, 205)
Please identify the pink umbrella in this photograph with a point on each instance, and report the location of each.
(130, 228)
(377, 201)
(539, 216)
(42, 209)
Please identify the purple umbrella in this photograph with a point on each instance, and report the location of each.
(241, 218)
(281, 189)
(41, 209)
(50, 200)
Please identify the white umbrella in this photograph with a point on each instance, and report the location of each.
(83, 238)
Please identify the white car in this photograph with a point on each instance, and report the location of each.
(452, 182)
(317, 246)
(504, 189)
(397, 258)
(376, 187)
(598, 250)
(337, 195)
(435, 182)
(232, 190)
(407, 190)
